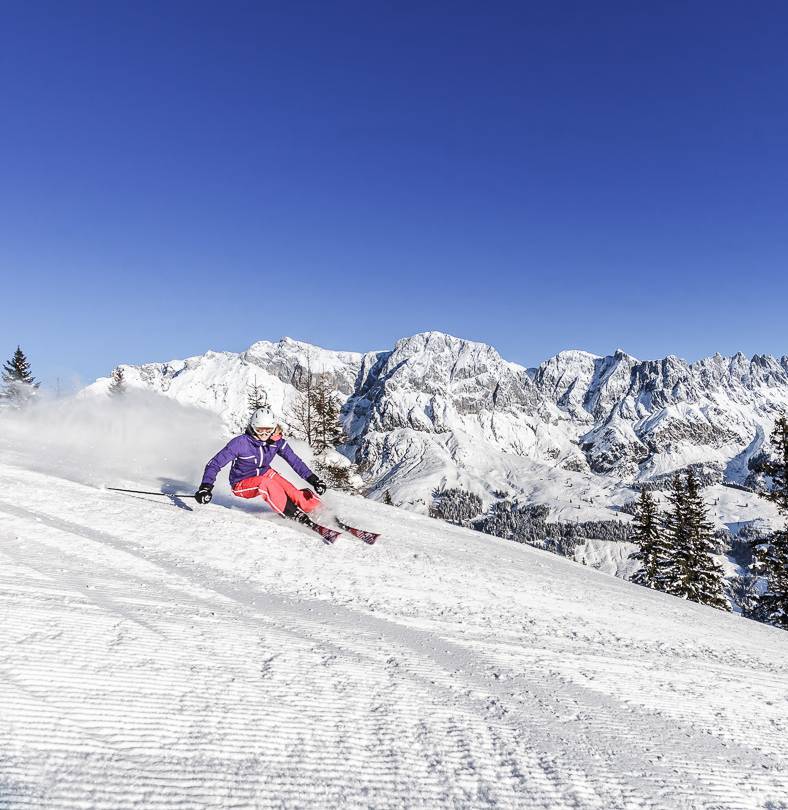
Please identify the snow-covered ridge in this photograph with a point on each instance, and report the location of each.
(437, 410)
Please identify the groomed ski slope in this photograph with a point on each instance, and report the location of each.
(156, 657)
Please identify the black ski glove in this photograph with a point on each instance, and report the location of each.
(317, 484)
(203, 494)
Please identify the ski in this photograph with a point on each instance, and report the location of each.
(329, 535)
(368, 537)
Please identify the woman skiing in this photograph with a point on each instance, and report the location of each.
(251, 475)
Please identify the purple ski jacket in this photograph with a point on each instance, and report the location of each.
(251, 456)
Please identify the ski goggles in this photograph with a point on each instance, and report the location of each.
(267, 432)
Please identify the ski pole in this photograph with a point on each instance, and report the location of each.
(144, 492)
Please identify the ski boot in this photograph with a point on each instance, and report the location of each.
(297, 514)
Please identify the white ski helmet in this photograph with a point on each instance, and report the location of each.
(263, 418)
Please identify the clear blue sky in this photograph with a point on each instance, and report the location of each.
(178, 177)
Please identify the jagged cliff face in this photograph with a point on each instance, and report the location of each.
(436, 405)
(439, 410)
(646, 417)
(435, 383)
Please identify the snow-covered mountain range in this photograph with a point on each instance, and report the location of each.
(439, 411)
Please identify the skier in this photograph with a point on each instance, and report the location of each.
(251, 454)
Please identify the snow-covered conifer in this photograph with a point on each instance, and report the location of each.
(19, 385)
(690, 570)
(652, 550)
(771, 558)
(456, 506)
(676, 536)
(256, 397)
(704, 579)
(326, 412)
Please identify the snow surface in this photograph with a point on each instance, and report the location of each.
(157, 654)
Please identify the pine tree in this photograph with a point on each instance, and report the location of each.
(337, 476)
(704, 578)
(117, 386)
(256, 397)
(777, 468)
(301, 416)
(744, 592)
(315, 415)
(19, 384)
(771, 558)
(691, 572)
(648, 535)
(676, 563)
(328, 431)
(387, 498)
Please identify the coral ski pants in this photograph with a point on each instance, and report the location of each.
(275, 490)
